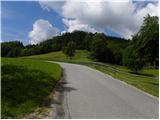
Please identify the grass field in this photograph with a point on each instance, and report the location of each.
(81, 55)
(146, 81)
(26, 85)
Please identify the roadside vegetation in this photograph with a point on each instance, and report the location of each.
(144, 47)
(147, 80)
(26, 85)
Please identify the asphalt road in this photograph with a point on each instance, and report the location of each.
(92, 94)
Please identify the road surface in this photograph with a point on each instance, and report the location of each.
(92, 94)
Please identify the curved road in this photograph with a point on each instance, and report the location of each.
(92, 94)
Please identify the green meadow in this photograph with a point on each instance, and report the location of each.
(26, 85)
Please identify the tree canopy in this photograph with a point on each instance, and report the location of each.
(147, 39)
(99, 48)
(144, 46)
(70, 49)
(11, 49)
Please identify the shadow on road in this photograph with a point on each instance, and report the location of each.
(62, 87)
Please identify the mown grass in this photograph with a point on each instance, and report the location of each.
(26, 85)
(142, 81)
(147, 80)
(81, 55)
(145, 71)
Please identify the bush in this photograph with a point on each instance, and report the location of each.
(70, 49)
(131, 59)
(99, 49)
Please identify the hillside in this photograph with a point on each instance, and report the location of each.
(82, 40)
(26, 85)
(81, 55)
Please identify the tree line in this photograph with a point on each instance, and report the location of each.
(81, 40)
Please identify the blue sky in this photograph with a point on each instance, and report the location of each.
(18, 18)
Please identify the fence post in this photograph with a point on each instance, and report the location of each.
(114, 71)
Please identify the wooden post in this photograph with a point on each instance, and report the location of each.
(114, 71)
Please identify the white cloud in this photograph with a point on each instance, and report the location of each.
(42, 30)
(121, 17)
(55, 5)
(73, 25)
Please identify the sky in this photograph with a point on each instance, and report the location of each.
(32, 22)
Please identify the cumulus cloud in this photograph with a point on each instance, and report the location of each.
(42, 30)
(73, 25)
(121, 17)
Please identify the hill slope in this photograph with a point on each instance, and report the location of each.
(26, 85)
(81, 55)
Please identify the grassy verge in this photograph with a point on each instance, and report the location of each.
(26, 85)
(142, 81)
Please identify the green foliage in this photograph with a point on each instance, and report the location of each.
(76, 36)
(82, 40)
(117, 47)
(70, 49)
(99, 48)
(11, 49)
(144, 46)
(87, 41)
(31, 50)
(26, 85)
(131, 59)
(147, 39)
